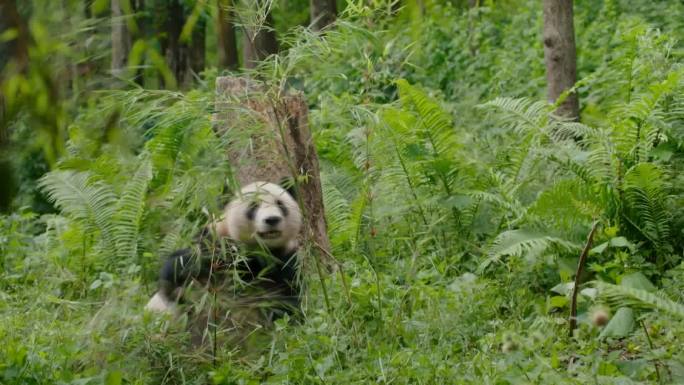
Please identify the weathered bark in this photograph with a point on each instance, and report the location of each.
(278, 145)
(259, 43)
(227, 43)
(121, 40)
(560, 55)
(323, 13)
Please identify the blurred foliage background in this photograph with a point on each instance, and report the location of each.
(457, 205)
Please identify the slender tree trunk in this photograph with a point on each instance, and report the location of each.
(175, 52)
(259, 44)
(182, 57)
(121, 40)
(143, 23)
(17, 51)
(560, 55)
(197, 47)
(323, 13)
(227, 43)
(86, 9)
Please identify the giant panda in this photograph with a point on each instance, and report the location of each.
(255, 243)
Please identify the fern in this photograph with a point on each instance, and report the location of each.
(436, 122)
(436, 128)
(87, 201)
(641, 124)
(337, 207)
(622, 296)
(522, 115)
(564, 203)
(130, 210)
(521, 242)
(647, 202)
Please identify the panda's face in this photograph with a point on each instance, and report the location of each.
(264, 213)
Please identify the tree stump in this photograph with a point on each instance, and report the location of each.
(269, 139)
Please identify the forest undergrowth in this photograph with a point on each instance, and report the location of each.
(457, 205)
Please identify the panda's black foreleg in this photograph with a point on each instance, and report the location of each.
(179, 268)
(185, 264)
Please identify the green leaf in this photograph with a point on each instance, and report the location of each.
(97, 283)
(114, 378)
(98, 7)
(613, 242)
(600, 248)
(563, 288)
(559, 301)
(621, 325)
(637, 281)
(621, 242)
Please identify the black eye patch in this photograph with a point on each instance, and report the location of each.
(251, 210)
(282, 207)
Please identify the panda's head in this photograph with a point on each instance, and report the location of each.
(264, 213)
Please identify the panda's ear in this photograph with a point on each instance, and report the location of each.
(289, 184)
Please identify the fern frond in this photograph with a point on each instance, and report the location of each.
(623, 296)
(520, 242)
(130, 210)
(171, 240)
(89, 202)
(437, 124)
(520, 114)
(603, 163)
(563, 204)
(564, 131)
(338, 192)
(645, 188)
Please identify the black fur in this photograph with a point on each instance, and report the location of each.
(266, 272)
(283, 209)
(289, 184)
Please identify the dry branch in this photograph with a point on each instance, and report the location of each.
(580, 268)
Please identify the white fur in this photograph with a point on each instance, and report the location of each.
(240, 228)
(158, 303)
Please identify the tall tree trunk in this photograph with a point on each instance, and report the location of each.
(86, 9)
(121, 39)
(197, 47)
(560, 55)
(17, 51)
(227, 43)
(182, 57)
(259, 43)
(143, 22)
(174, 51)
(323, 13)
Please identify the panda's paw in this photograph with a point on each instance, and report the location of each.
(160, 304)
